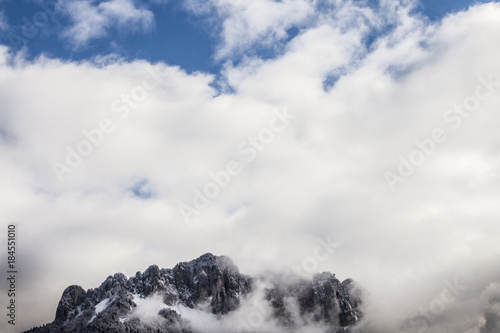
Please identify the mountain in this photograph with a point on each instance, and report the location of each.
(207, 294)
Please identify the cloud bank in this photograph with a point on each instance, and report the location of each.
(363, 85)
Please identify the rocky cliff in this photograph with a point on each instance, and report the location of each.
(207, 289)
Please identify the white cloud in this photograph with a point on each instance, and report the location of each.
(244, 26)
(92, 21)
(246, 23)
(322, 175)
(3, 22)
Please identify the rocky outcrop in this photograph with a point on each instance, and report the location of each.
(324, 299)
(71, 298)
(211, 278)
(152, 301)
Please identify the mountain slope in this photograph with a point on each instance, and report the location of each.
(207, 290)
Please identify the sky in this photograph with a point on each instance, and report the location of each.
(150, 132)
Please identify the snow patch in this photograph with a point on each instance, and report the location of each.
(100, 307)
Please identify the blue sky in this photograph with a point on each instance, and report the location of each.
(177, 36)
(437, 9)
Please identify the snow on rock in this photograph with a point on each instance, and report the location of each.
(207, 294)
(100, 307)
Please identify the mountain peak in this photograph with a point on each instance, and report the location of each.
(210, 287)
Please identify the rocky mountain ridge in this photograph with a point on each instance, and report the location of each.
(211, 288)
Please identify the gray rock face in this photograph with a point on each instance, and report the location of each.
(324, 299)
(211, 284)
(72, 297)
(211, 277)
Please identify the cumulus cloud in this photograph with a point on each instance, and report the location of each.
(91, 20)
(245, 27)
(164, 134)
(246, 23)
